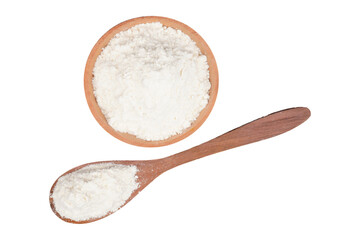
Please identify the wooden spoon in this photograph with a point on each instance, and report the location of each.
(260, 129)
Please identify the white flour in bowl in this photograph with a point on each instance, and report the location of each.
(151, 81)
(94, 191)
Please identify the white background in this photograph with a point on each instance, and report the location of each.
(271, 55)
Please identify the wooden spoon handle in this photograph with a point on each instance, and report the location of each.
(260, 129)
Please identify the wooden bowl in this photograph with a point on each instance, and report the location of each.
(104, 40)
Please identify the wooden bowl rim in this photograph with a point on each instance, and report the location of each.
(123, 26)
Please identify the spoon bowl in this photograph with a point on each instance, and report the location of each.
(260, 129)
(147, 172)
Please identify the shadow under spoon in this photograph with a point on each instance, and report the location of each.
(257, 130)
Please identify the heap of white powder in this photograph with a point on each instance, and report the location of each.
(151, 81)
(94, 191)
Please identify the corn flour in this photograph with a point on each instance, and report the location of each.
(94, 191)
(151, 81)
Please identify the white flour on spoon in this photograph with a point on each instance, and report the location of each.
(94, 191)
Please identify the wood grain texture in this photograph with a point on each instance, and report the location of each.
(260, 129)
(104, 40)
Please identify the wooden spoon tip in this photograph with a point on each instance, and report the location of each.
(306, 112)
